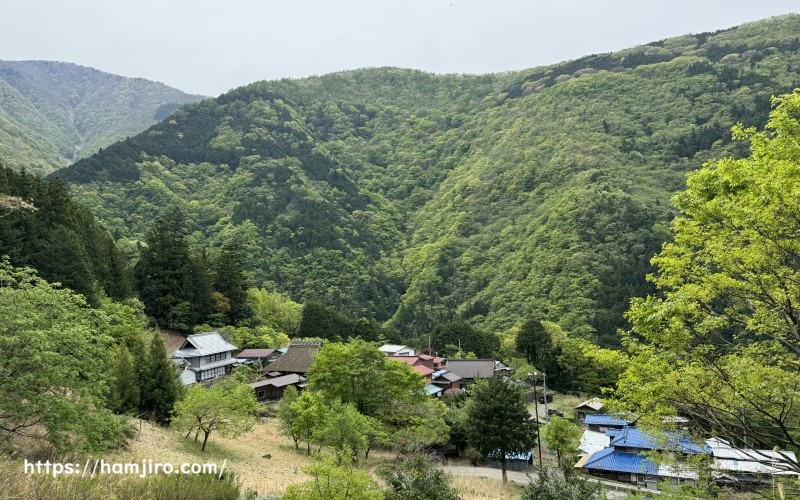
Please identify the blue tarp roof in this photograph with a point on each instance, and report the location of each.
(604, 419)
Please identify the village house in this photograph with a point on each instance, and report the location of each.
(272, 389)
(471, 369)
(589, 407)
(739, 467)
(204, 357)
(624, 460)
(258, 358)
(602, 422)
(396, 350)
(298, 358)
(446, 380)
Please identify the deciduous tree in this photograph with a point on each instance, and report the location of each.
(720, 344)
(57, 364)
(226, 407)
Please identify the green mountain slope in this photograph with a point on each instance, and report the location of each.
(53, 113)
(416, 198)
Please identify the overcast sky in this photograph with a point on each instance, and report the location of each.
(208, 47)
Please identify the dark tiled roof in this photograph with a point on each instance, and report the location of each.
(298, 359)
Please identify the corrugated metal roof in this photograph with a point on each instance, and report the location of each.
(423, 370)
(204, 344)
(594, 404)
(471, 368)
(617, 461)
(747, 460)
(255, 353)
(449, 376)
(281, 381)
(409, 360)
(393, 348)
(631, 437)
(432, 389)
(593, 441)
(605, 419)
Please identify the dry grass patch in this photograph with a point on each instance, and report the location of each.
(482, 488)
(244, 455)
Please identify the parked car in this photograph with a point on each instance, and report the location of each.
(552, 412)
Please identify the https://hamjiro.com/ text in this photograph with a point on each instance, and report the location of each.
(97, 467)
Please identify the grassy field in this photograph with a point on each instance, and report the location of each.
(244, 455)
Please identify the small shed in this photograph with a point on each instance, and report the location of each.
(272, 389)
(589, 407)
(522, 462)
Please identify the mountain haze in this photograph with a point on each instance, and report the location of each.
(53, 113)
(414, 198)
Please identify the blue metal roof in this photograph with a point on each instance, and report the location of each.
(617, 461)
(631, 437)
(432, 389)
(604, 419)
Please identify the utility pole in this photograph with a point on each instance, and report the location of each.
(538, 430)
(544, 382)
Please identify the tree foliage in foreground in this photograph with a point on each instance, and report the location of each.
(563, 437)
(57, 369)
(720, 344)
(331, 482)
(226, 407)
(553, 484)
(417, 476)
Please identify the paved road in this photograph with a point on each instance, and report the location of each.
(525, 478)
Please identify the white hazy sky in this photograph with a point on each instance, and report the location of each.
(208, 47)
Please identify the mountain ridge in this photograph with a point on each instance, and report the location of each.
(415, 198)
(52, 113)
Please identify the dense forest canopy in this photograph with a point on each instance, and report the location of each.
(416, 199)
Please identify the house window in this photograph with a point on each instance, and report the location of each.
(213, 373)
(216, 357)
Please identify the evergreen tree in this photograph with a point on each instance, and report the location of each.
(125, 393)
(160, 388)
(535, 343)
(231, 282)
(173, 286)
(499, 422)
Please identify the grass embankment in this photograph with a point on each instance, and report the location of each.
(244, 456)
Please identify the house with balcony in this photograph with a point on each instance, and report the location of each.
(204, 357)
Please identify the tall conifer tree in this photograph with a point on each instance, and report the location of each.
(159, 384)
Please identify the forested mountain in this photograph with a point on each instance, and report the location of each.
(59, 238)
(53, 113)
(414, 199)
